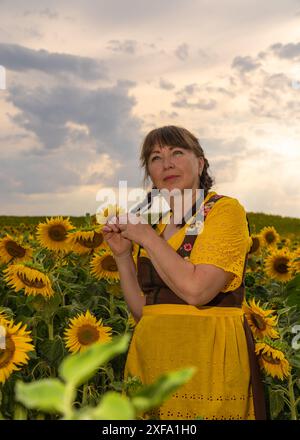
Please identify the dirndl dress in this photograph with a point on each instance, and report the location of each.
(215, 338)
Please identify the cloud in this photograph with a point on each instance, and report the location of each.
(47, 12)
(202, 104)
(182, 52)
(288, 51)
(103, 113)
(165, 84)
(245, 64)
(126, 46)
(192, 96)
(20, 58)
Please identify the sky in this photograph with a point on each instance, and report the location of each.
(83, 82)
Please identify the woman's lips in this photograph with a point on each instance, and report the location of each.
(170, 178)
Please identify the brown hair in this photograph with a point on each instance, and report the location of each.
(172, 135)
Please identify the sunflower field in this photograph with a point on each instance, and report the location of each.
(62, 315)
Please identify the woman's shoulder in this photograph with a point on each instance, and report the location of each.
(225, 209)
(219, 201)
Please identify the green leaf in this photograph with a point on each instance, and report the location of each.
(294, 298)
(155, 394)
(295, 360)
(293, 285)
(53, 350)
(45, 395)
(113, 406)
(78, 368)
(276, 403)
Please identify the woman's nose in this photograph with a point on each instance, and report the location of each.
(167, 162)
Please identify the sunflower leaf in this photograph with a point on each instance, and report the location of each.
(113, 406)
(78, 368)
(45, 395)
(276, 402)
(153, 395)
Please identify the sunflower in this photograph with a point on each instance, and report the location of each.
(15, 343)
(83, 242)
(296, 261)
(279, 266)
(272, 360)
(11, 249)
(131, 321)
(259, 320)
(33, 281)
(104, 266)
(256, 244)
(269, 236)
(85, 330)
(109, 211)
(54, 234)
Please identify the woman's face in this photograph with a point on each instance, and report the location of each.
(175, 161)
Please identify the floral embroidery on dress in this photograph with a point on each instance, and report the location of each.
(194, 227)
(187, 247)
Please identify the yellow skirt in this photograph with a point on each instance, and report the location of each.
(169, 337)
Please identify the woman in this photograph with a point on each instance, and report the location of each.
(186, 291)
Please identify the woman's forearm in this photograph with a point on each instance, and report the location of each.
(130, 286)
(176, 272)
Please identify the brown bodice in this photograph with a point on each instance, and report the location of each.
(156, 290)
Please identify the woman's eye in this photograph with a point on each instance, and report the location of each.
(154, 157)
(178, 151)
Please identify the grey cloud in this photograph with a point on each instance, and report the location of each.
(182, 52)
(170, 115)
(289, 51)
(166, 85)
(106, 112)
(127, 46)
(20, 58)
(245, 64)
(47, 12)
(31, 175)
(190, 89)
(208, 104)
(221, 90)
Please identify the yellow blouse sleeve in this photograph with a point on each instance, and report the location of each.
(224, 240)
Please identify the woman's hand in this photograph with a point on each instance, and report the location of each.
(132, 228)
(118, 244)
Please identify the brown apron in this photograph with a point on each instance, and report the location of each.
(157, 292)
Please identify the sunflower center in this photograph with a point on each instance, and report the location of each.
(266, 357)
(57, 233)
(91, 243)
(39, 284)
(270, 237)
(87, 334)
(14, 249)
(109, 263)
(259, 321)
(7, 353)
(281, 265)
(255, 245)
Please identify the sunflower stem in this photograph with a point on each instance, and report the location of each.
(111, 304)
(50, 329)
(84, 394)
(292, 400)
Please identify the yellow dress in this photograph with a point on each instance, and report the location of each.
(173, 336)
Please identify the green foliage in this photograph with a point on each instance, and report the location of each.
(89, 389)
(57, 396)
